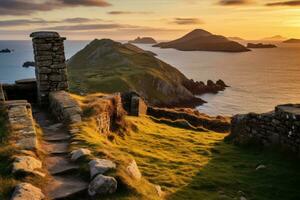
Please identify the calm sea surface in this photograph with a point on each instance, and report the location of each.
(259, 79)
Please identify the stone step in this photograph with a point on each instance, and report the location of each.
(63, 187)
(56, 147)
(59, 165)
(56, 137)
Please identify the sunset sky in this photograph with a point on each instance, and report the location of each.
(162, 19)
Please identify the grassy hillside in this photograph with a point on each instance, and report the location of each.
(190, 164)
(108, 66)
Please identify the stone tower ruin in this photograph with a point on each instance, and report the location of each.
(50, 66)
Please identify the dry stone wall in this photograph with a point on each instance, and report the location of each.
(50, 66)
(64, 107)
(280, 127)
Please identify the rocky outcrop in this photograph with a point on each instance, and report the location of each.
(133, 170)
(28, 64)
(143, 40)
(27, 164)
(279, 128)
(5, 51)
(102, 185)
(201, 40)
(260, 46)
(26, 191)
(64, 107)
(198, 87)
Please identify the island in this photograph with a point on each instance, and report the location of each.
(274, 38)
(201, 40)
(143, 40)
(292, 41)
(5, 51)
(108, 66)
(29, 64)
(260, 46)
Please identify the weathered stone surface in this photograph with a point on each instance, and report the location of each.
(102, 185)
(44, 34)
(79, 153)
(27, 164)
(26, 191)
(100, 166)
(133, 170)
(64, 107)
(280, 128)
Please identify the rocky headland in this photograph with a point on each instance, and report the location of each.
(201, 40)
(143, 40)
(109, 66)
(260, 46)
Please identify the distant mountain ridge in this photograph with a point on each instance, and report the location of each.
(275, 38)
(202, 40)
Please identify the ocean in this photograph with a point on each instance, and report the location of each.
(259, 79)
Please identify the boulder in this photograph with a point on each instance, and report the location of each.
(100, 166)
(27, 164)
(79, 153)
(102, 185)
(133, 170)
(26, 191)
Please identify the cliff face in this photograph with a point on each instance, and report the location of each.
(201, 40)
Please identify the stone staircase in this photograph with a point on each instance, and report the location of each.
(61, 184)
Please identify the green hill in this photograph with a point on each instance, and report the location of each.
(109, 66)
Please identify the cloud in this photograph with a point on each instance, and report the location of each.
(233, 2)
(38, 21)
(127, 13)
(284, 3)
(85, 27)
(187, 21)
(24, 7)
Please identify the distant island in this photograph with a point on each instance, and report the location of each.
(201, 40)
(28, 64)
(5, 51)
(260, 46)
(143, 40)
(236, 38)
(108, 66)
(292, 41)
(275, 38)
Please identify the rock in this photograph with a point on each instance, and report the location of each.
(134, 171)
(54, 127)
(102, 185)
(260, 167)
(27, 164)
(26, 191)
(260, 45)
(221, 83)
(5, 51)
(100, 166)
(158, 190)
(243, 198)
(76, 154)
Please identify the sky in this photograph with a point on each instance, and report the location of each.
(161, 19)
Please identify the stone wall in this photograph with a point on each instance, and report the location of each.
(64, 107)
(134, 104)
(218, 124)
(21, 123)
(50, 66)
(280, 127)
